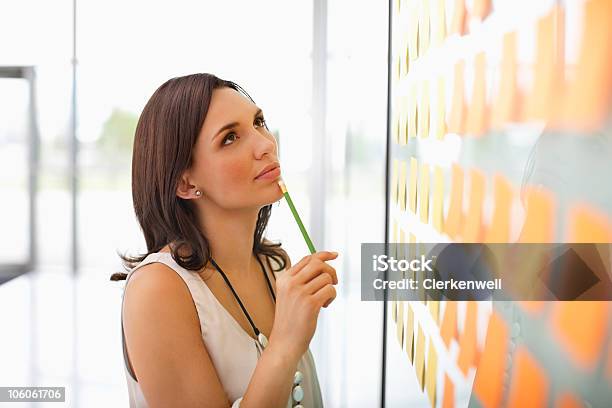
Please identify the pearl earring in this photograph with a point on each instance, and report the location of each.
(198, 193)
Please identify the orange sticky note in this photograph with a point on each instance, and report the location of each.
(423, 116)
(529, 386)
(488, 384)
(458, 22)
(402, 185)
(539, 218)
(437, 200)
(394, 180)
(581, 328)
(587, 96)
(477, 114)
(586, 224)
(424, 193)
(467, 343)
(548, 65)
(454, 218)
(481, 9)
(419, 363)
(567, 400)
(532, 306)
(432, 373)
(448, 400)
(412, 184)
(448, 331)
(472, 227)
(499, 230)
(505, 108)
(423, 7)
(457, 111)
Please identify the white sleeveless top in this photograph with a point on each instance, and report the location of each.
(234, 353)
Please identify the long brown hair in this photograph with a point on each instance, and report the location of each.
(165, 136)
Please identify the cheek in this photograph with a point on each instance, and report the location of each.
(234, 172)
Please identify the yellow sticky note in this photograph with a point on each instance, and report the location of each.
(409, 333)
(401, 126)
(419, 358)
(438, 109)
(400, 323)
(434, 309)
(402, 185)
(423, 118)
(394, 231)
(411, 125)
(438, 199)
(412, 25)
(423, 26)
(424, 193)
(432, 373)
(412, 184)
(394, 180)
(454, 218)
(438, 22)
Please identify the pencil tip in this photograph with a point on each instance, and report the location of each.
(281, 183)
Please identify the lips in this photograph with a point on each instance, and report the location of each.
(267, 169)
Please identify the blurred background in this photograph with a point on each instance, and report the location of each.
(407, 121)
(74, 77)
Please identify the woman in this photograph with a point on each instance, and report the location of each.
(194, 306)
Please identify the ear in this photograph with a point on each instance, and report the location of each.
(185, 189)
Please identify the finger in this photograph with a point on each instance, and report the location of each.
(298, 266)
(317, 283)
(314, 269)
(328, 302)
(325, 255)
(325, 294)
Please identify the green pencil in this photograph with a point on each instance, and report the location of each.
(311, 247)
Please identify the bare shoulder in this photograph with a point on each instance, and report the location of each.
(164, 341)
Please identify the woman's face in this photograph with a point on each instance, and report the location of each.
(233, 147)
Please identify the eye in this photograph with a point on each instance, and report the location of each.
(227, 137)
(260, 120)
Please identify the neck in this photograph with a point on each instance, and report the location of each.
(230, 235)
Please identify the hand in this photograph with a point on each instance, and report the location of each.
(300, 293)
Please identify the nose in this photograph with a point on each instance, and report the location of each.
(264, 143)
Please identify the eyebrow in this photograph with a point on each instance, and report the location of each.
(231, 125)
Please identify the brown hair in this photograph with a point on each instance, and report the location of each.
(165, 136)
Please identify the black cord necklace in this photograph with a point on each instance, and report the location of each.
(297, 392)
(255, 329)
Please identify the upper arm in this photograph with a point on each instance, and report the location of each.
(164, 342)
